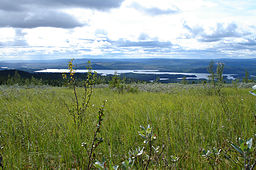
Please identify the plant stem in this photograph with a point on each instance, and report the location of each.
(91, 151)
(150, 152)
(94, 144)
(77, 103)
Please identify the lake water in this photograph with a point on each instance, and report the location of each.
(154, 72)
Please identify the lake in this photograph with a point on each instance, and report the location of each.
(153, 72)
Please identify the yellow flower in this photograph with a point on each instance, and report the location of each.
(64, 76)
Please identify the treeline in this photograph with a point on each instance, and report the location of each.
(12, 77)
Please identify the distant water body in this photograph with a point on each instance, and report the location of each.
(154, 72)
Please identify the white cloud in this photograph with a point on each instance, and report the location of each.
(151, 23)
(7, 34)
(47, 37)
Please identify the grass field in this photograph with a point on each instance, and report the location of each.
(37, 130)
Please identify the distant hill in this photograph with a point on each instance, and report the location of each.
(232, 66)
(5, 73)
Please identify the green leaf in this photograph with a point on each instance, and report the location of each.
(208, 153)
(240, 141)
(142, 127)
(237, 149)
(99, 165)
(149, 131)
(116, 167)
(174, 158)
(156, 148)
(142, 134)
(243, 147)
(125, 163)
(249, 143)
(140, 152)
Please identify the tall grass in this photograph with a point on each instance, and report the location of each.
(37, 130)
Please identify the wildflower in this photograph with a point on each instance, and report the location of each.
(64, 76)
(84, 144)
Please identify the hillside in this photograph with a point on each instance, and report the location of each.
(232, 66)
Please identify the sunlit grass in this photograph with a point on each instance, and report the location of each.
(37, 130)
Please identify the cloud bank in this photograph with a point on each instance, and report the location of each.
(31, 29)
(154, 11)
(47, 13)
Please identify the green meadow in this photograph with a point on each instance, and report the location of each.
(37, 130)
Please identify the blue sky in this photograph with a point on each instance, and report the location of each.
(53, 29)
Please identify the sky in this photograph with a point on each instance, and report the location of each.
(56, 29)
